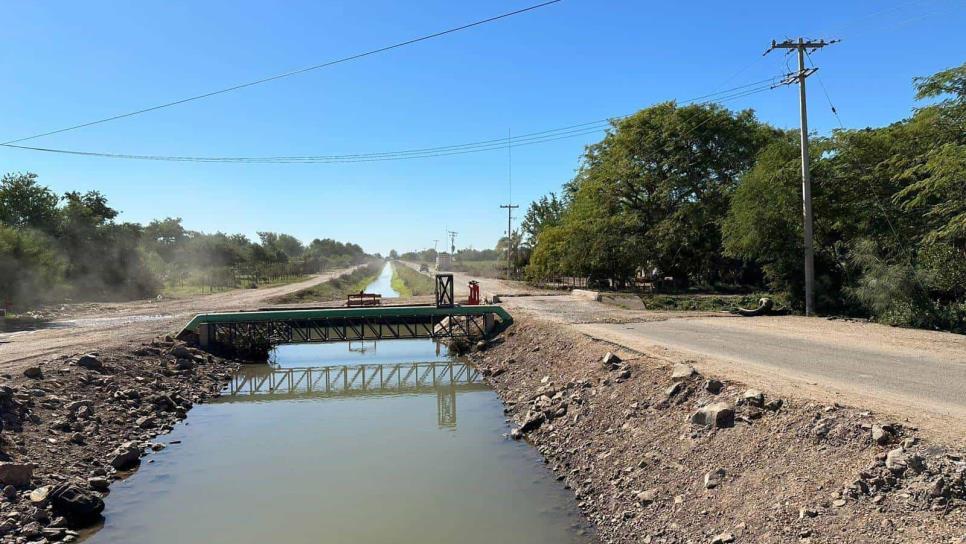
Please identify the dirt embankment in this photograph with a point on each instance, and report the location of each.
(74, 424)
(657, 453)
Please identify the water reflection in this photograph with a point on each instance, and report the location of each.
(265, 383)
(287, 456)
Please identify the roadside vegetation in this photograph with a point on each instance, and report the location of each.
(55, 248)
(712, 198)
(705, 302)
(410, 283)
(337, 288)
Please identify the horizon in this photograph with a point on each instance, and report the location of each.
(523, 74)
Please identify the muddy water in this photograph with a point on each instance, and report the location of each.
(387, 458)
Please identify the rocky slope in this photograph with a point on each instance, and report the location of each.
(73, 424)
(657, 453)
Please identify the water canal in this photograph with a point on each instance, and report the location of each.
(383, 284)
(408, 453)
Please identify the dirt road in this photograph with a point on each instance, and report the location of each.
(108, 325)
(911, 374)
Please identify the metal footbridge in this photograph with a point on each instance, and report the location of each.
(346, 324)
(252, 334)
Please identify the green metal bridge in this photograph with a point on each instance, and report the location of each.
(273, 327)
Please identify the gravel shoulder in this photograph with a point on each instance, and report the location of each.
(657, 452)
(918, 376)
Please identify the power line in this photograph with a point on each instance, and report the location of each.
(532, 138)
(290, 73)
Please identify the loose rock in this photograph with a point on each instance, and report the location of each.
(681, 372)
(90, 362)
(16, 474)
(718, 414)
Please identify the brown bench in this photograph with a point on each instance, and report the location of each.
(364, 299)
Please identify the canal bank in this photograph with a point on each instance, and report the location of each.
(74, 423)
(346, 443)
(657, 453)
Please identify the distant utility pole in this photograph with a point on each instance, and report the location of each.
(802, 47)
(452, 242)
(509, 233)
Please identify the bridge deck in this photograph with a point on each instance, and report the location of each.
(284, 326)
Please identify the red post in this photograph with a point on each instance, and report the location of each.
(474, 293)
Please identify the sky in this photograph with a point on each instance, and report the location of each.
(576, 61)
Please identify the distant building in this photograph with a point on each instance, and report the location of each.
(443, 261)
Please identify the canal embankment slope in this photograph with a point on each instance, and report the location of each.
(77, 422)
(630, 437)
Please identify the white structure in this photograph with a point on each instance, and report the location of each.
(443, 261)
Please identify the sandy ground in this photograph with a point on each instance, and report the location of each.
(112, 325)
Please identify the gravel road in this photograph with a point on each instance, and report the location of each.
(110, 325)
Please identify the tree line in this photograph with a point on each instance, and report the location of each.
(56, 247)
(712, 198)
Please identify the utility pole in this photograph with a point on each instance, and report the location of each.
(802, 46)
(452, 241)
(509, 234)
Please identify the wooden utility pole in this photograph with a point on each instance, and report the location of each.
(509, 233)
(802, 46)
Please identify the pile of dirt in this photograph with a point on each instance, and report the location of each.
(74, 424)
(656, 453)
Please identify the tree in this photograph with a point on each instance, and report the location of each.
(939, 180)
(26, 204)
(655, 190)
(164, 237)
(543, 213)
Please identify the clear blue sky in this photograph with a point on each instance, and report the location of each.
(580, 60)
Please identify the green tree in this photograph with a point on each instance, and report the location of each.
(26, 204)
(543, 213)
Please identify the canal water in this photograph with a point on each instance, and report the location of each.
(293, 455)
(383, 284)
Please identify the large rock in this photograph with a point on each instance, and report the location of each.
(126, 456)
(75, 406)
(682, 372)
(90, 362)
(74, 503)
(39, 496)
(898, 460)
(713, 479)
(16, 474)
(533, 421)
(611, 361)
(181, 352)
(882, 434)
(647, 497)
(717, 414)
(713, 386)
(753, 397)
(33, 372)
